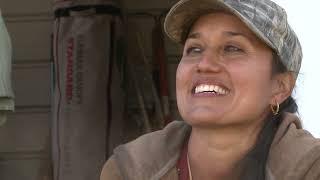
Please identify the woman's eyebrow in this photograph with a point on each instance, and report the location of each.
(194, 35)
(232, 33)
(197, 35)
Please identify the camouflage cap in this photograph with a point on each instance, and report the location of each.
(264, 17)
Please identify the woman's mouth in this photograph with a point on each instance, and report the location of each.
(210, 89)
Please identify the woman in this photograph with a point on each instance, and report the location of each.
(234, 84)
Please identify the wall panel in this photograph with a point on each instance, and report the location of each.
(21, 169)
(25, 132)
(16, 7)
(31, 40)
(32, 84)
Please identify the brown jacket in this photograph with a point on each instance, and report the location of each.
(294, 154)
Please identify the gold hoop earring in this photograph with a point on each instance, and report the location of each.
(275, 108)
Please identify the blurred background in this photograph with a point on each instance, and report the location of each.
(304, 19)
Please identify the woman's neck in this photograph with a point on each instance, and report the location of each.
(214, 153)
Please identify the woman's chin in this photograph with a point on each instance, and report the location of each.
(206, 120)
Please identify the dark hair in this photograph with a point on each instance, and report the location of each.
(253, 165)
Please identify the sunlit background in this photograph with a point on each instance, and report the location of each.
(304, 19)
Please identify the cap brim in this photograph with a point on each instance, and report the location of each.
(183, 14)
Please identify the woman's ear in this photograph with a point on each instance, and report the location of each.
(282, 87)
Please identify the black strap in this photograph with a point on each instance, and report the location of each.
(99, 9)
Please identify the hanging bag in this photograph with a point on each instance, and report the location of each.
(88, 97)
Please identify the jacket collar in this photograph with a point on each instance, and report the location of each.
(152, 155)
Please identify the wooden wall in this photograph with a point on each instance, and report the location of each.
(25, 138)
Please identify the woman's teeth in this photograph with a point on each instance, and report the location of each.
(210, 89)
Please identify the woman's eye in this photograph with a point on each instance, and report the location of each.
(232, 49)
(193, 50)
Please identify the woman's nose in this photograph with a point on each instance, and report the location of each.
(209, 63)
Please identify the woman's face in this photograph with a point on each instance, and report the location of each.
(225, 75)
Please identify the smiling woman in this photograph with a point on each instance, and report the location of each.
(234, 84)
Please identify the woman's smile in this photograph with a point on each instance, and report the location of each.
(209, 89)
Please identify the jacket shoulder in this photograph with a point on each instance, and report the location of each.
(110, 170)
(307, 165)
(314, 171)
(295, 153)
(152, 155)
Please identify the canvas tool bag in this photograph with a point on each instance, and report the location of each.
(88, 94)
